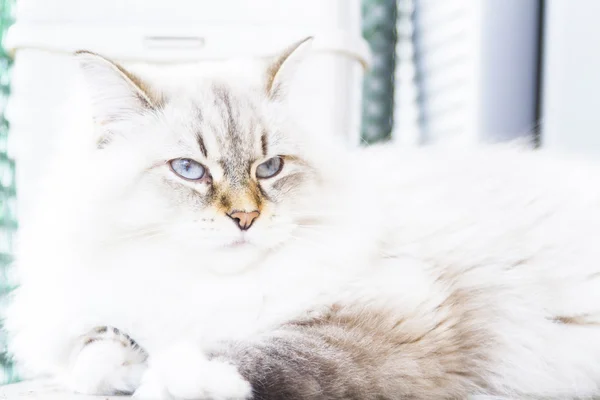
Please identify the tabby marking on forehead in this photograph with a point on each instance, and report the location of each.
(233, 138)
(223, 104)
(199, 137)
(263, 143)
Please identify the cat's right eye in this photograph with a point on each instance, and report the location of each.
(188, 169)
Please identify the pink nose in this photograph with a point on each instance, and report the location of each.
(243, 219)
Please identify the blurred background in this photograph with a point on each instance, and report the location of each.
(411, 72)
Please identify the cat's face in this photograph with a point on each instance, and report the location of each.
(216, 166)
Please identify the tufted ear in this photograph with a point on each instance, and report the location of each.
(281, 70)
(116, 94)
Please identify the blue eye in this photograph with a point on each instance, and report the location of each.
(188, 169)
(269, 168)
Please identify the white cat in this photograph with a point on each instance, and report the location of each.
(202, 246)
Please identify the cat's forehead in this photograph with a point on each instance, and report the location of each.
(224, 122)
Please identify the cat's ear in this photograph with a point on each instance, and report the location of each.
(281, 70)
(116, 93)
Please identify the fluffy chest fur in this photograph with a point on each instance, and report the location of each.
(133, 290)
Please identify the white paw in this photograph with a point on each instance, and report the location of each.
(183, 373)
(107, 362)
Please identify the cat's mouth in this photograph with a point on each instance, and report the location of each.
(238, 243)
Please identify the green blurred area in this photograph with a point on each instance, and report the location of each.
(379, 29)
(8, 221)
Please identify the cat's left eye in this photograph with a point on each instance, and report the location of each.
(269, 168)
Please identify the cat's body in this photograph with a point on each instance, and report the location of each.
(370, 274)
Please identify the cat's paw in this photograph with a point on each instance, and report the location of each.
(184, 372)
(106, 362)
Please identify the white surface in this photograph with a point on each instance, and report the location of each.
(571, 90)
(152, 30)
(478, 63)
(44, 390)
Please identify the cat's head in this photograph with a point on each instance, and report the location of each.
(212, 165)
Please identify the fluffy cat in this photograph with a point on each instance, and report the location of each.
(202, 246)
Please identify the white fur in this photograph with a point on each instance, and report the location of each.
(183, 372)
(103, 367)
(390, 222)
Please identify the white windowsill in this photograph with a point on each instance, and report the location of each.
(44, 390)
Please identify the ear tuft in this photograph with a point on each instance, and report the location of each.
(280, 72)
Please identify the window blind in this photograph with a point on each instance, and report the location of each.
(477, 67)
